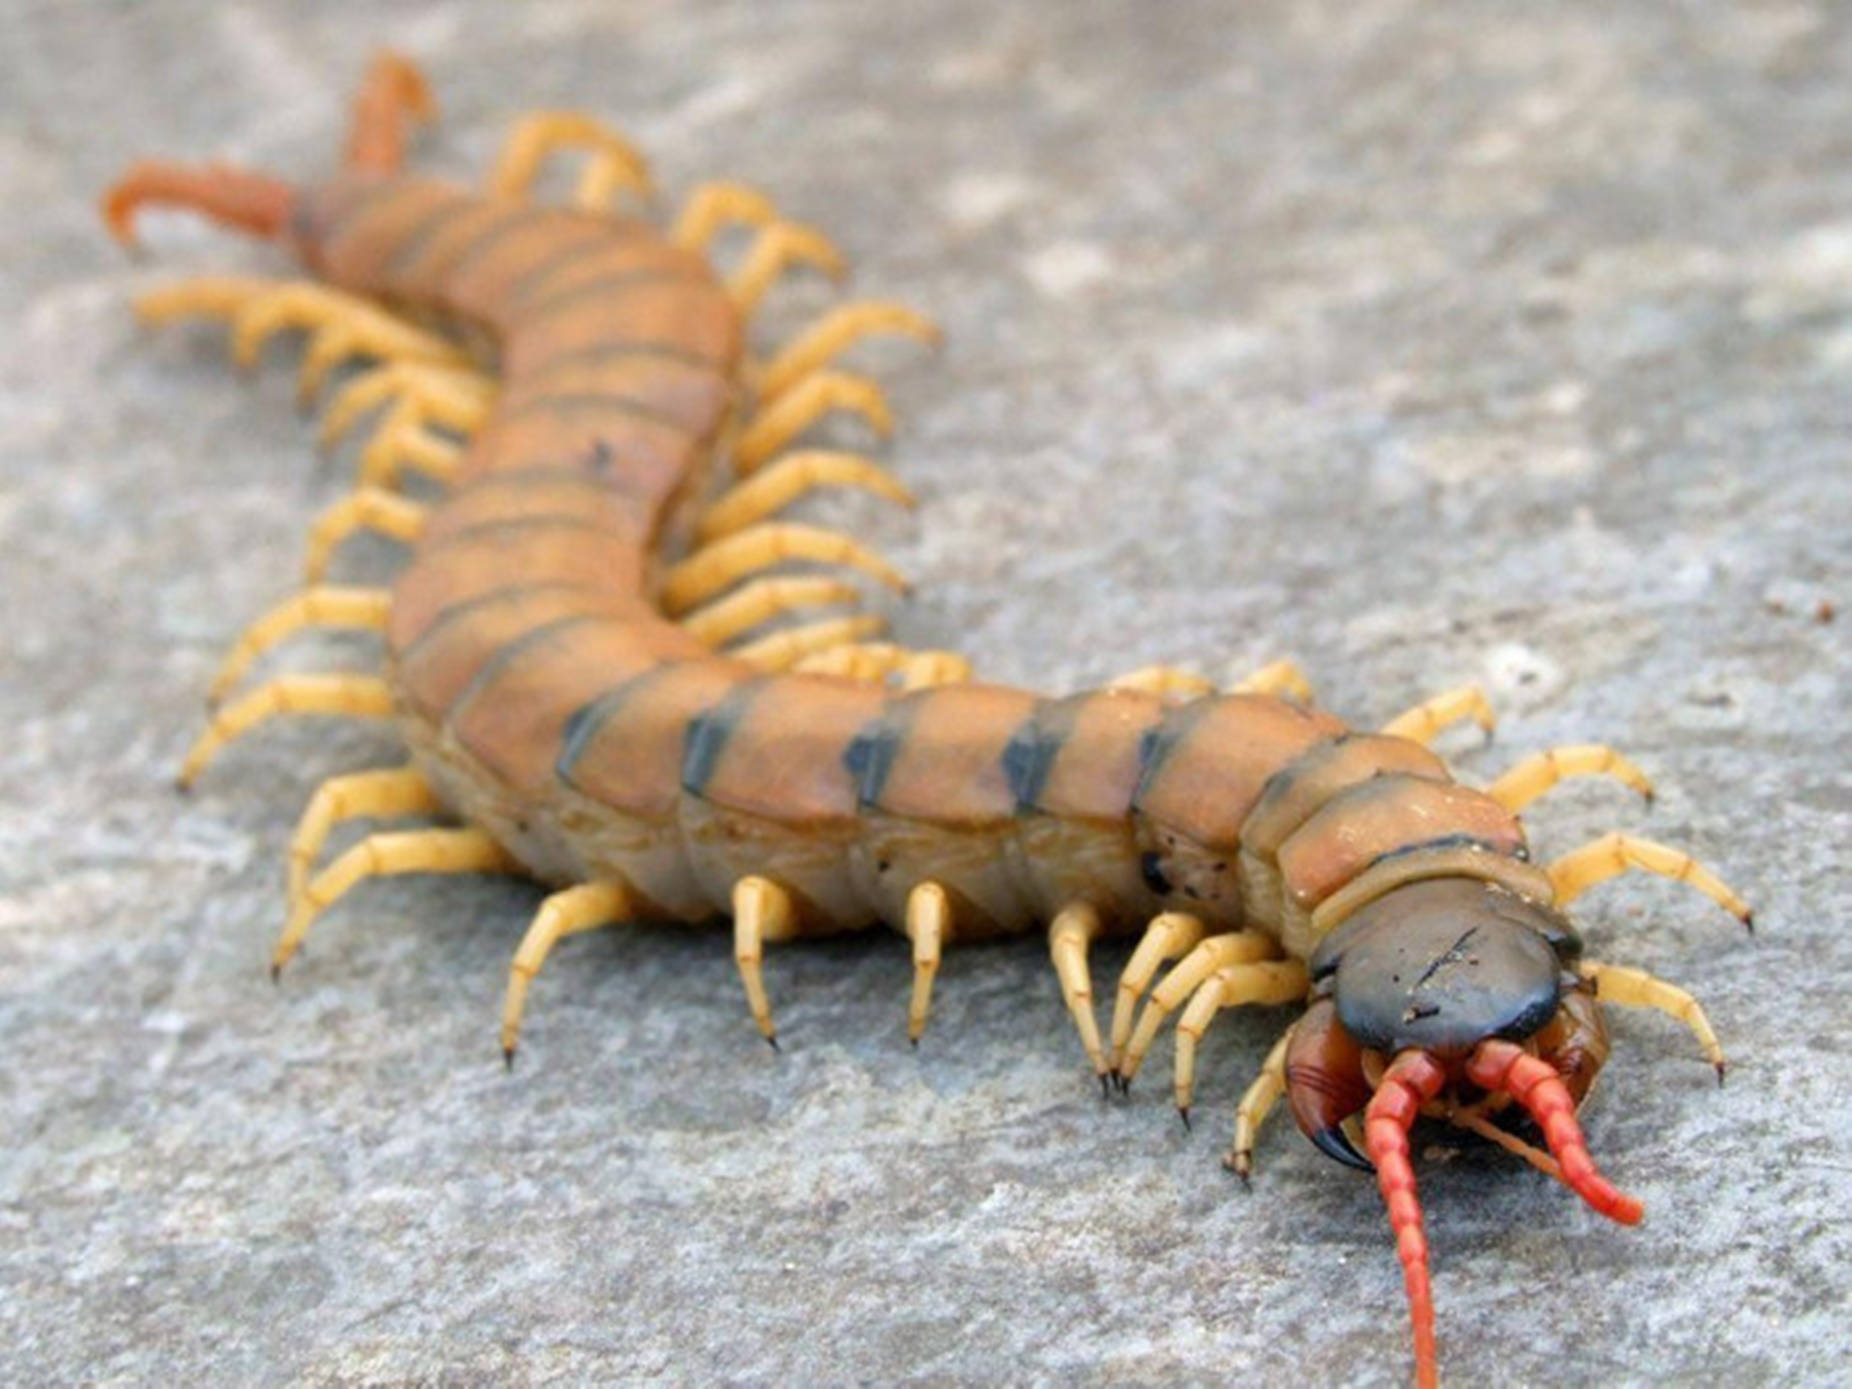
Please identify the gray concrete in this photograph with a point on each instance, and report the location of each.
(1424, 342)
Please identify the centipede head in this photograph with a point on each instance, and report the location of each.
(1457, 999)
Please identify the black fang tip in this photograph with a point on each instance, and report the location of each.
(771, 1041)
(1749, 922)
(1721, 1068)
(276, 974)
(1183, 1113)
(508, 1058)
(1333, 1142)
(1105, 1086)
(914, 1042)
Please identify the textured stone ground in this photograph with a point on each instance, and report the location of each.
(1425, 343)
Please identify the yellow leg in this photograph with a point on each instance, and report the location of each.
(709, 571)
(1277, 678)
(1074, 928)
(369, 795)
(926, 670)
(1613, 854)
(1635, 988)
(763, 914)
(1166, 938)
(340, 325)
(785, 648)
(775, 487)
(1256, 1104)
(1536, 774)
(1429, 717)
(1262, 981)
(401, 441)
(365, 608)
(1174, 685)
(353, 696)
(368, 508)
(714, 206)
(1210, 954)
(916, 670)
(762, 600)
(777, 248)
(780, 421)
(838, 330)
(453, 398)
(563, 914)
(929, 921)
(614, 164)
(387, 855)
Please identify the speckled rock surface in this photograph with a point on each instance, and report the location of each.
(1425, 343)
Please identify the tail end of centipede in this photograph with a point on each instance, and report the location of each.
(236, 198)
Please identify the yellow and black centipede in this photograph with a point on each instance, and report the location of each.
(590, 657)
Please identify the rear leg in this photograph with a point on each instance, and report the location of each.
(613, 165)
(581, 908)
(374, 795)
(327, 606)
(393, 100)
(387, 855)
(340, 326)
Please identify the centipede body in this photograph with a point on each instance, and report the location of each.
(553, 702)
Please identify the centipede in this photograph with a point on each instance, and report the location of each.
(618, 671)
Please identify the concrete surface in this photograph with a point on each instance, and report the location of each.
(1424, 342)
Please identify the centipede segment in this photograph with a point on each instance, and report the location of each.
(622, 669)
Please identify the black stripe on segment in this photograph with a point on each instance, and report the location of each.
(872, 752)
(512, 524)
(709, 732)
(1280, 784)
(1448, 841)
(531, 475)
(618, 282)
(483, 243)
(447, 617)
(509, 653)
(535, 277)
(417, 238)
(1159, 741)
(583, 724)
(578, 402)
(622, 349)
(1032, 749)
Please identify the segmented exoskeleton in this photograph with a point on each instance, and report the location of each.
(552, 663)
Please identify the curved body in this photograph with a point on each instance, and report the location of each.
(551, 684)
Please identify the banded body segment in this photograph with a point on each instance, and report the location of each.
(1205, 767)
(1074, 767)
(766, 791)
(937, 805)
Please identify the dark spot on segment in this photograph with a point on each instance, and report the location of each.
(1151, 868)
(583, 402)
